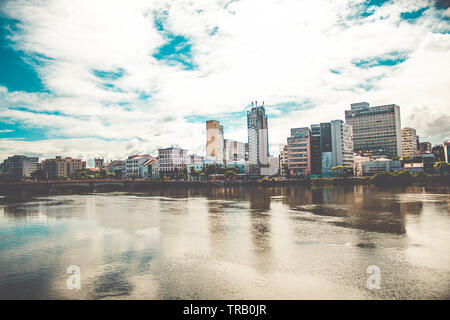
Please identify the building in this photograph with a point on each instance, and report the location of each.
(258, 139)
(409, 142)
(134, 166)
(299, 152)
(376, 129)
(438, 151)
(326, 151)
(99, 163)
(233, 150)
(341, 144)
(447, 150)
(18, 167)
(214, 141)
(150, 170)
(316, 153)
(428, 162)
(118, 167)
(194, 162)
(170, 159)
(372, 167)
(283, 160)
(62, 168)
(424, 147)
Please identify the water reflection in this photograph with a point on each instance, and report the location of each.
(233, 242)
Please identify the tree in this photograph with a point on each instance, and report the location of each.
(343, 171)
(286, 170)
(38, 175)
(230, 173)
(442, 166)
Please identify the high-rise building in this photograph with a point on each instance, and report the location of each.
(214, 141)
(333, 146)
(316, 154)
(299, 152)
(19, 166)
(376, 129)
(409, 142)
(341, 144)
(171, 158)
(60, 168)
(258, 139)
(326, 156)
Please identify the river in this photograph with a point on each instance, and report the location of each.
(229, 243)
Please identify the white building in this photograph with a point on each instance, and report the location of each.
(134, 165)
(171, 158)
(341, 144)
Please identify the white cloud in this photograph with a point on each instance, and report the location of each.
(271, 50)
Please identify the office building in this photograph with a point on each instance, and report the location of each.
(316, 153)
(326, 151)
(18, 167)
(409, 142)
(376, 129)
(341, 144)
(62, 168)
(258, 139)
(299, 152)
(214, 141)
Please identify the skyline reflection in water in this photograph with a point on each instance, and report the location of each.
(228, 243)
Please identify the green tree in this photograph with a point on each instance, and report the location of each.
(442, 166)
(38, 175)
(231, 173)
(342, 171)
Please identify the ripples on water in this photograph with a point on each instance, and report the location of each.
(228, 243)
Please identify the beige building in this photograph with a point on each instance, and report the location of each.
(61, 168)
(284, 155)
(214, 141)
(409, 142)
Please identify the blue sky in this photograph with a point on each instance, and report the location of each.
(109, 78)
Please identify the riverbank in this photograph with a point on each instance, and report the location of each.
(25, 188)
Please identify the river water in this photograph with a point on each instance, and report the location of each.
(229, 243)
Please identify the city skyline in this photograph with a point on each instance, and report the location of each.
(160, 70)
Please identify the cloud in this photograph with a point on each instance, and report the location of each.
(126, 76)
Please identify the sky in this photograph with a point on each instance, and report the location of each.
(111, 78)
